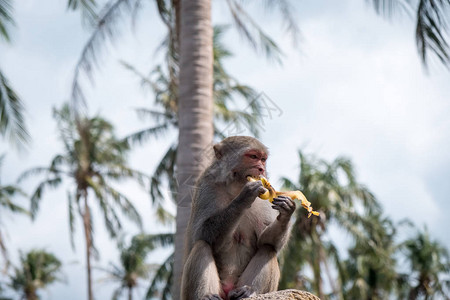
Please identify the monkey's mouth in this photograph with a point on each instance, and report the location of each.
(256, 173)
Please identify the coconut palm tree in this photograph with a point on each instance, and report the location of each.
(429, 267)
(7, 193)
(195, 113)
(195, 109)
(12, 124)
(132, 262)
(227, 91)
(93, 159)
(370, 271)
(333, 190)
(38, 269)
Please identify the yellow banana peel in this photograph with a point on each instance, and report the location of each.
(272, 193)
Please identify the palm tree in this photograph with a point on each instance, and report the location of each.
(333, 190)
(226, 92)
(7, 192)
(12, 123)
(370, 271)
(429, 267)
(195, 113)
(93, 158)
(195, 109)
(132, 261)
(37, 270)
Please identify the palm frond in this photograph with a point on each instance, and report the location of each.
(125, 205)
(164, 216)
(165, 169)
(145, 81)
(71, 219)
(6, 202)
(152, 241)
(389, 8)
(432, 30)
(4, 253)
(37, 195)
(6, 19)
(151, 114)
(87, 7)
(249, 29)
(12, 123)
(107, 28)
(163, 276)
(144, 135)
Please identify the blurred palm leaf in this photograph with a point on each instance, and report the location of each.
(7, 193)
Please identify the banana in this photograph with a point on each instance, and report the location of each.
(272, 193)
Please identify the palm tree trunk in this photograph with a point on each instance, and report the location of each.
(88, 238)
(316, 266)
(130, 293)
(31, 294)
(195, 114)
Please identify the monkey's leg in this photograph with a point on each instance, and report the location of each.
(200, 276)
(260, 276)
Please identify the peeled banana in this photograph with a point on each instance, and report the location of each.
(272, 193)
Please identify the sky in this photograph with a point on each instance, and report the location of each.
(353, 87)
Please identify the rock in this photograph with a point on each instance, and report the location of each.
(285, 295)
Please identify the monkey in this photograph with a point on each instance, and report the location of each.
(232, 239)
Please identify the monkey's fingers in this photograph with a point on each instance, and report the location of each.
(295, 195)
(304, 202)
(269, 193)
(284, 204)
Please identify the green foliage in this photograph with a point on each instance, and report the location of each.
(429, 266)
(228, 94)
(333, 190)
(87, 8)
(7, 193)
(93, 159)
(6, 19)
(37, 270)
(132, 261)
(162, 281)
(12, 124)
(370, 271)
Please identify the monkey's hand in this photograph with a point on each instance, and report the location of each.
(271, 194)
(285, 206)
(276, 233)
(251, 190)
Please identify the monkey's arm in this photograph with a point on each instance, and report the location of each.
(218, 226)
(277, 233)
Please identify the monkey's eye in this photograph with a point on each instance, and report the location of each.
(263, 159)
(253, 156)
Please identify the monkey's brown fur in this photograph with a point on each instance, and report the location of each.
(233, 240)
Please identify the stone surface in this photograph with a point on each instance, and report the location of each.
(285, 295)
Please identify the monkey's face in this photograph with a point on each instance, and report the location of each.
(253, 163)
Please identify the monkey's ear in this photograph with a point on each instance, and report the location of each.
(217, 151)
